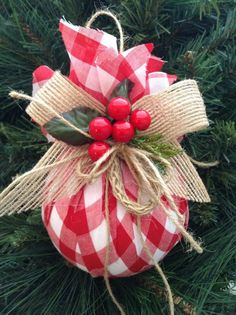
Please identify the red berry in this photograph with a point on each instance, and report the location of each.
(100, 128)
(119, 108)
(140, 119)
(97, 149)
(122, 131)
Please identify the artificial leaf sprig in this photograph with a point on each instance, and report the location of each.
(79, 117)
(155, 144)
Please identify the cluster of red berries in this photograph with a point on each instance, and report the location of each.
(122, 130)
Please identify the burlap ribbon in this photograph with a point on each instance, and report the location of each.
(64, 169)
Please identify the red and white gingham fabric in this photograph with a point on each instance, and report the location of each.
(98, 67)
(77, 224)
(77, 228)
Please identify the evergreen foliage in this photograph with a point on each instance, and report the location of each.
(155, 145)
(198, 39)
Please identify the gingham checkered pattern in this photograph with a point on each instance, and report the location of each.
(77, 224)
(77, 228)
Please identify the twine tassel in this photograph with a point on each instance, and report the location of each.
(179, 226)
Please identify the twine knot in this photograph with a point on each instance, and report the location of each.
(147, 177)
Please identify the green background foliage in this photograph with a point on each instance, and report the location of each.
(197, 38)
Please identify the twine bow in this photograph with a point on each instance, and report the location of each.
(141, 169)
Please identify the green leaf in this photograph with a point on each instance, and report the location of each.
(123, 89)
(79, 117)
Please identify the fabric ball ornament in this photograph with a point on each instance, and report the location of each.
(76, 224)
(119, 214)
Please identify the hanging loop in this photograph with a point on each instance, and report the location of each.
(108, 13)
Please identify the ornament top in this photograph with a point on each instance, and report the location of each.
(98, 67)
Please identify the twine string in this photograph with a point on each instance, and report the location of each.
(107, 252)
(173, 206)
(204, 164)
(108, 13)
(147, 169)
(158, 268)
(18, 95)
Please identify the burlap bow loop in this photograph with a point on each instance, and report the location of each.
(175, 111)
(60, 95)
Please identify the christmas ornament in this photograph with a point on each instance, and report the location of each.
(140, 119)
(122, 131)
(100, 128)
(119, 108)
(112, 209)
